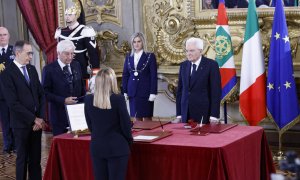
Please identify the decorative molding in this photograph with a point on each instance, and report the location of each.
(110, 54)
(61, 13)
(101, 11)
(98, 11)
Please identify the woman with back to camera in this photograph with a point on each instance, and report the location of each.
(139, 79)
(109, 122)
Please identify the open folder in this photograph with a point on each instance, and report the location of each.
(147, 125)
(151, 136)
(214, 128)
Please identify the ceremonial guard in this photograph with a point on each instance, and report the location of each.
(82, 36)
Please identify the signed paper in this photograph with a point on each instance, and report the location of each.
(76, 117)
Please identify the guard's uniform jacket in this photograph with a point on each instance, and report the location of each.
(86, 52)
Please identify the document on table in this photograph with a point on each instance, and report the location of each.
(76, 117)
(143, 137)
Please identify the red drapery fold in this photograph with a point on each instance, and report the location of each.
(41, 18)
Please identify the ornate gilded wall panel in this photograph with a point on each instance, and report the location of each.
(168, 23)
(98, 11)
(110, 54)
(103, 11)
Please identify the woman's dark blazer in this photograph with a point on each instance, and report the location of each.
(110, 128)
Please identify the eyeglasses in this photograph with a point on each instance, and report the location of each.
(30, 53)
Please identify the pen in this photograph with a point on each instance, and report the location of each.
(200, 125)
(162, 127)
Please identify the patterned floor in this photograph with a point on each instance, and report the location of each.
(7, 162)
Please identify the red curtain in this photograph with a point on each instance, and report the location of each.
(41, 18)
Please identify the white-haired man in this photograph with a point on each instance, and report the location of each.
(199, 86)
(63, 84)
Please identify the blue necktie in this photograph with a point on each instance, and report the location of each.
(25, 74)
(193, 71)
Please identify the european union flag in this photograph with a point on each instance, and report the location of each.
(282, 101)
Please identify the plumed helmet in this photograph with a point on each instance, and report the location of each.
(73, 7)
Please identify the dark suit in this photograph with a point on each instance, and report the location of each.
(83, 45)
(8, 138)
(57, 90)
(110, 137)
(26, 102)
(201, 96)
(139, 88)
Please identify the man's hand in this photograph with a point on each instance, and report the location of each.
(71, 100)
(35, 127)
(38, 124)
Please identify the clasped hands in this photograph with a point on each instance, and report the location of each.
(151, 97)
(38, 124)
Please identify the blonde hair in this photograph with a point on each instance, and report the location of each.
(105, 85)
(142, 37)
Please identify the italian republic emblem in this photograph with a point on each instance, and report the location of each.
(223, 46)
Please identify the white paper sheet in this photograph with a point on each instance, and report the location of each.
(76, 117)
(143, 137)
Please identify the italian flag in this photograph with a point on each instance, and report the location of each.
(253, 76)
(224, 54)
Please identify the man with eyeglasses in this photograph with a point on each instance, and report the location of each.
(6, 57)
(25, 98)
(63, 85)
(199, 86)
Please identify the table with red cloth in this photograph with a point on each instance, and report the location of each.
(240, 153)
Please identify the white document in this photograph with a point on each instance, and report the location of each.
(76, 116)
(143, 137)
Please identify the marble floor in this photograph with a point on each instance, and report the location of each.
(7, 163)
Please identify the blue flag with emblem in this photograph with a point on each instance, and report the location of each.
(282, 101)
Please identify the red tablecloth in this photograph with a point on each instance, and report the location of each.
(240, 153)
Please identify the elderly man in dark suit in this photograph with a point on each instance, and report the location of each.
(63, 85)
(199, 86)
(24, 95)
(6, 57)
